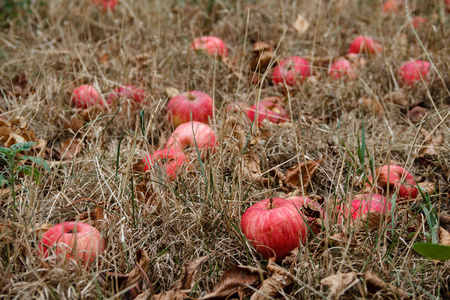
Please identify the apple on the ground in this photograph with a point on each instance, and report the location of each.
(292, 71)
(413, 71)
(190, 106)
(86, 96)
(131, 95)
(342, 69)
(268, 108)
(195, 135)
(170, 160)
(365, 44)
(211, 45)
(390, 178)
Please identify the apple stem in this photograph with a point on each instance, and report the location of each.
(271, 203)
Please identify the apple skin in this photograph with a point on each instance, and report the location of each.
(169, 159)
(341, 69)
(106, 4)
(180, 107)
(86, 96)
(447, 5)
(193, 134)
(131, 92)
(392, 175)
(269, 109)
(418, 21)
(365, 44)
(210, 45)
(291, 70)
(274, 226)
(75, 240)
(411, 72)
(362, 204)
(392, 6)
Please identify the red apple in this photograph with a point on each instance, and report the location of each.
(292, 70)
(274, 226)
(392, 5)
(413, 71)
(106, 4)
(199, 104)
(132, 94)
(362, 204)
(86, 96)
(269, 109)
(211, 45)
(447, 5)
(365, 44)
(396, 178)
(418, 21)
(72, 240)
(194, 135)
(169, 159)
(342, 68)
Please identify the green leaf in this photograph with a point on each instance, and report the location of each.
(433, 251)
(39, 161)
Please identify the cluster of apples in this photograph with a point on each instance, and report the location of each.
(276, 226)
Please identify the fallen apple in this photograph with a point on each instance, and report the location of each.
(170, 160)
(342, 69)
(274, 226)
(72, 240)
(417, 22)
(447, 5)
(86, 96)
(211, 45)
(395, 178)
(362, 204)
(190, 106)
(193, 134)
(106, 4)
(292, 70)
(132, 96)
(392, 6)
(269, 109)
(365, 44)
(413, 71)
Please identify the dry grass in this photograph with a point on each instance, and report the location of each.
(60, 46)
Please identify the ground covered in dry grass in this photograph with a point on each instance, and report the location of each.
(176, 239)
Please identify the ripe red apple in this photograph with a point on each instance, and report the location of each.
(106, 4)
(132, 94)
(211, 45)
(86, 96)
(413, 71)
(447, 5)
(362, 204)
(169, 159)
(75, 240)
(180, 107)
(292, 70)
(392, 6)
(342, 68)
(365, 44)
(274, 226)
(193, 134)
(396, 178)
(418, 21)
(269, 109)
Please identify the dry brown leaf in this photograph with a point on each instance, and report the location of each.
(444, 237)
(301, 25)
(251, 168)
(375, 284)
(235, 281)
(16, 131)
(371, 105)
(171, 92)
(170, 295)
(431, 148)
(41, 229)
(337, 283)
(444, 219)
(91, 113)
(20, 85)
(367, 221)
(137, 274)
(417, 113)
(429, 187)
(5, 192)
(301, 174)
(279, 280)
(399, 97)
(75, 123)
(188, 272)
(70, 148)
(261, 58)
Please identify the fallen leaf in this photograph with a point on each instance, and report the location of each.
(444, 237)
(417, 113)
(16, 131)
(91, 113)
(301, 25)
(429, 187)
(399, 97)
(301, 174)
(5, 192)
(70, 148)
(235, 281)
(444, 219)
(371, 105)
(279, 280)
(171, 92)
(261, 58)
(337, 283)
(375, 284)
(431, 148)
(188, 272)
(367, 221)
(41, 229)
(252, 169)
(170, 295)
(137, 274)
(20, 85)
(75, 123)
